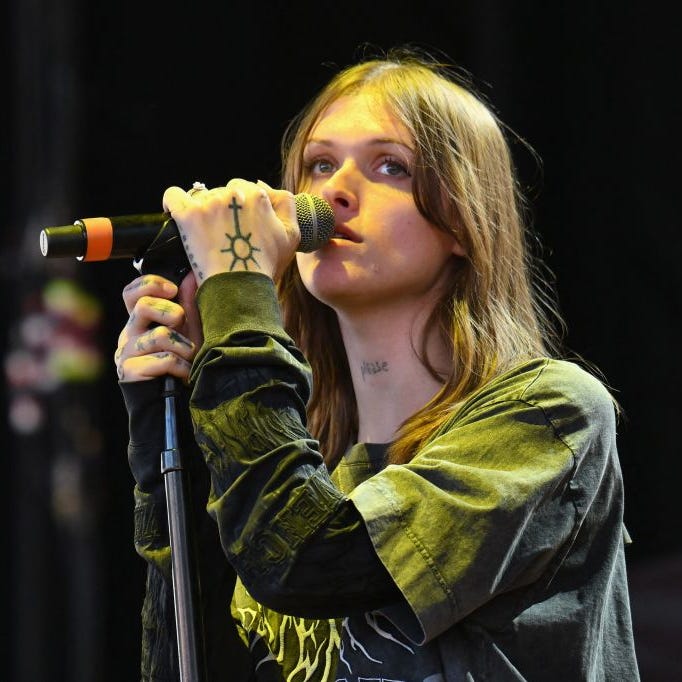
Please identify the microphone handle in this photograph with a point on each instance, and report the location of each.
(98, 239)
(165, 255)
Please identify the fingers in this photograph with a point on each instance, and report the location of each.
(161, 336)
(159, 339)
(148, 285)
(152, 353)
(177, 201)
(282, 203)
(202, 202)
(175, 198)
(146, 367)
(150, 310)
(187, 299)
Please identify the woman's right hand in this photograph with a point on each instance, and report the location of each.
(145, 351)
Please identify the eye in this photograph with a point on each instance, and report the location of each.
(391, 166)
(318, 166)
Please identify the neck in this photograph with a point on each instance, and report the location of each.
(390, 381)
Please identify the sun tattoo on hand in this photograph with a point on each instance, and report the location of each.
(240, 244)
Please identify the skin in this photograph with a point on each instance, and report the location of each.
(383, 282)
(359, 159)
(382, 279)
(242, 226)
(167, 348)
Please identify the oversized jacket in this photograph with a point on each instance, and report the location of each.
(496, 553)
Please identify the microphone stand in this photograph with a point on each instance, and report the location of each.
(166, 256)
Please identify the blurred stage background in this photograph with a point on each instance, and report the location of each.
(107, 104)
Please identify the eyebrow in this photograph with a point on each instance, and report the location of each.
(373, 142)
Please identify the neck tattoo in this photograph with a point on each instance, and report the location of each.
(373, 367)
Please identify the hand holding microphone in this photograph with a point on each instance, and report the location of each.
(221, 230)
(242, 226)
(154, 236)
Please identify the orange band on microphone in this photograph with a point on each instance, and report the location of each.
(100, 238)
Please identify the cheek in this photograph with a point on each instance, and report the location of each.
(412, 238)
(418, 236)
(307, 264)
(418, 257)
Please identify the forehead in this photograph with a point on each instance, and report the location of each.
(364, 114)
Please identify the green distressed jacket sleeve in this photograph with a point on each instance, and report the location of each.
(271, 493)
(145, 418)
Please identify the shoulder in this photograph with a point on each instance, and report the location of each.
(547, 383)
(560, 393)
(574, 400)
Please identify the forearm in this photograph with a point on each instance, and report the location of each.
(337, 573)
(296, 541)
(144, 402)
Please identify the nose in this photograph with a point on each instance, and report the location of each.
(341, 190)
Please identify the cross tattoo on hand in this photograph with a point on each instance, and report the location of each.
(239, 245)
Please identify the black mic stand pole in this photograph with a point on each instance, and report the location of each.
(166, 256)
(185, 581)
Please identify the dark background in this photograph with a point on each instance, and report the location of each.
(108, 104)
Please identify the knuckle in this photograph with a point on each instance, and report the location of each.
(156, 333)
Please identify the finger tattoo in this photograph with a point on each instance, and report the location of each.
(176, 337)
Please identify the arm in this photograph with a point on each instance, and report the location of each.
(298, 543)
(145, 414)
(250, 227)
(145, 406)
(490, 506)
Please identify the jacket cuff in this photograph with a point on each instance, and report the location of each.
(234, 302)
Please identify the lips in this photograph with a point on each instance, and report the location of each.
(344, 233)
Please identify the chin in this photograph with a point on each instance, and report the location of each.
(332, 287)
(328, 290)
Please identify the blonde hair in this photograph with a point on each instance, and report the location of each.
(492, 316)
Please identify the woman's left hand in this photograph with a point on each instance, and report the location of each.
(242, 226)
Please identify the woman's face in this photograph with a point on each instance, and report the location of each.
(359, 158)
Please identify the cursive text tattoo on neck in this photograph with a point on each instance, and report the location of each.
(239, 244)
(373, 367)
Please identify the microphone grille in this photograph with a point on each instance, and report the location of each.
(315, 221)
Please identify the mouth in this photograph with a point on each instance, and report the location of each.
(343, 233)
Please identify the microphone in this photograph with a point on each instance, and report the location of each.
(131, 236)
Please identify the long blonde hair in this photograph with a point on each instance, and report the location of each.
(493, 314)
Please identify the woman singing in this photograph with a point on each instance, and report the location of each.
(397, 476)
